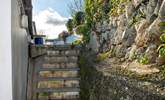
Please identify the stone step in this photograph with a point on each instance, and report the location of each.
(56, 78)
(60, 59)
(38, 50)
(58, 96)
(68, 89)
(43, 98)
(62, 53)
(56, 47)
(58, 69)
(60, 65)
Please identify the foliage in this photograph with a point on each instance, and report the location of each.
(45, 94)
(162, 24)
(90, 10)
(117, 7)
(162, 38)
(83, 30)
(144, 60)
(78, 18)
(103, 56)
(77, 42)
(69, 25)
(161, 50)
(96, 10)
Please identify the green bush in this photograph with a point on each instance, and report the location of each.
(144, 60)
(82, 29)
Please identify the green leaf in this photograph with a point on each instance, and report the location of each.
(163, 31)
(162, 37)
(162, 24)
(162, 51)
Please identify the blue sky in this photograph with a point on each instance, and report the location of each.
(61, 6)
(51, 16)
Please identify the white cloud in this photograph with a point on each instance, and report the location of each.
(50, 22)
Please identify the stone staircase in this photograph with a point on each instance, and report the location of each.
(55, 73)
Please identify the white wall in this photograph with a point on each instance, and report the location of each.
(13, 53)
(19, 53)
(5, 51)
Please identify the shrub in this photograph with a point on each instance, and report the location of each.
(144, 60)
(84, 30)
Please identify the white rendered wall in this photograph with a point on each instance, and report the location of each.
(19, 53)
(13, 53)
(5, 51)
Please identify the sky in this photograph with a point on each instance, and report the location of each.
(50, 16)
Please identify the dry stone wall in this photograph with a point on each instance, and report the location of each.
(133, 38)
(138, 27)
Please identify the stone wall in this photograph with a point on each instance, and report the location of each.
(125, 41)
(135, 31)
(101, 83)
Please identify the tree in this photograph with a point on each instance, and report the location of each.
(83, 30)
(78, 18)
(69, 25)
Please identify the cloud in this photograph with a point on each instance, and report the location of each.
(55, 21)
(50, 23)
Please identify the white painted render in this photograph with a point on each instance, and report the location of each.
(13, 53)
(5, 51)
(19, 53)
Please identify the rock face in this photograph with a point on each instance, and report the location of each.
(133, 37)
(139, 26)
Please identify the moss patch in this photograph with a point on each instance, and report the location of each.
(103, 56)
